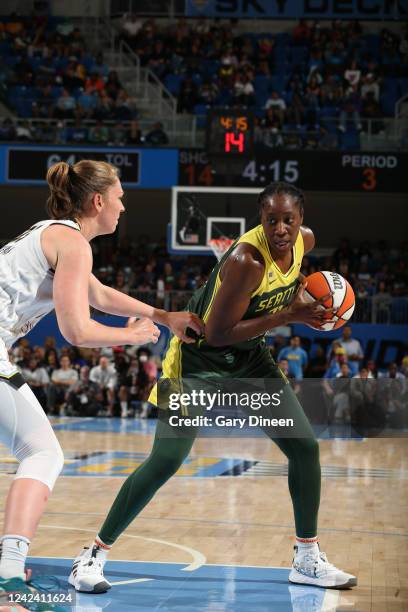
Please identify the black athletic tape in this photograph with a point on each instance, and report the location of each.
(16, 380)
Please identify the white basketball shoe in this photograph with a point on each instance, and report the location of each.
(87, 573)
(314, 569)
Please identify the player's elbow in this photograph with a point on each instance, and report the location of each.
(74, 334)
(214, 338)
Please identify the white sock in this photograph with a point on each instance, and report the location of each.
(14, 550)
(102, 549)
(123, 408)
(307, 545)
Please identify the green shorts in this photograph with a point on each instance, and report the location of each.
(207, 362)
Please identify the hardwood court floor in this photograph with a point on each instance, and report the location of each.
(243, 519)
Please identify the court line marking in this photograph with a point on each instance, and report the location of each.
(330, 601)
(241, 523)
(198, 558)
(169, 562)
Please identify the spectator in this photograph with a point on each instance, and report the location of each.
(37, 378)
(87, 104)
(105, 376)
(66, 105)
(157, 136)
(85, 396)
(244, 93)
(43, 107)
(188, 96)
(366, 410)
(99, 133)
(51, 361)
(128, 388)
(7, 130)
(317, 364)
(113, 85)
(351, 105)
(296, 357)
(339, 357)
(328, 141)
(23, 131)
(353, 349)
(278, 104)
(77, 133)
(371, 110)
(352, 74)
(125, 109)
(131, 27)
(370, 85)
(105, 107)
(61, 381)
(120, 283)
(381, 304)
(94, 84)
(335, 389)
(135, 133)
(99, 66)
(301, 33)
(118, 136)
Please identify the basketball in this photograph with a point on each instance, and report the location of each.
(322, 283)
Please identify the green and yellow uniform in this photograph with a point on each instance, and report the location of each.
(247, 360)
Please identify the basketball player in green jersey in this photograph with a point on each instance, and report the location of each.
(254, 288)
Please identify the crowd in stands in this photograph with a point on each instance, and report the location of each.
(48, 73)
(352, 388)
(88, 382)
(321, 79)
(117, 382)
(313, 87)
(378, 274)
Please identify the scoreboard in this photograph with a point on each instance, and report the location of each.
(230, 133)
(310, 170)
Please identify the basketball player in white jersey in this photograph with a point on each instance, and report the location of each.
(50, 266)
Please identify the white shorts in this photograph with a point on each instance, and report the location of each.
(25, 429)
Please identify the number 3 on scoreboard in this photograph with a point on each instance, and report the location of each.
(370, 179)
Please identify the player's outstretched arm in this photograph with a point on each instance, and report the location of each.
(70, 293)
(109, 300)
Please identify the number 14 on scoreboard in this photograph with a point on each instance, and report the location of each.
(232, 140)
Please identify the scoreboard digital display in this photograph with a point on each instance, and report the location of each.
(230, 133)
(310, 170)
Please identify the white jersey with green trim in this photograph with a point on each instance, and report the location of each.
(26, 281)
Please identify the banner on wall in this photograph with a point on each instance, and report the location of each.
(383, 343)
(299, 9)
(23, 164)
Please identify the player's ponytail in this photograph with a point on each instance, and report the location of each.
(72, 187)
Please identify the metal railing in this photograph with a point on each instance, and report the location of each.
(187, 131)
(51, 131)
(368, 310)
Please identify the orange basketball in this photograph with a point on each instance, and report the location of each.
(322, 283)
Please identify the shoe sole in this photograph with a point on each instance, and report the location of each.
(297, 578)
(100, 587)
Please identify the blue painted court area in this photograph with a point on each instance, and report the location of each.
(146, 587)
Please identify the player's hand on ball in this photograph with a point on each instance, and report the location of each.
(185, 325)
(310, 313)
(142, 331)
